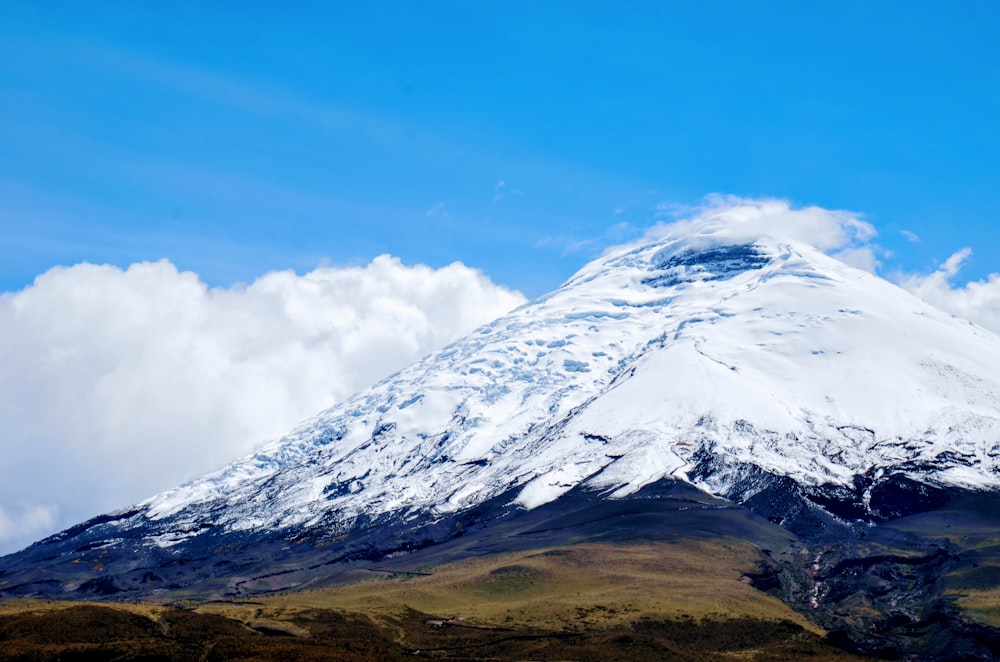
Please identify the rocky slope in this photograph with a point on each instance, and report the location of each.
(761, 371)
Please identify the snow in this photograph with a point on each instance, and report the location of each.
(768, 354)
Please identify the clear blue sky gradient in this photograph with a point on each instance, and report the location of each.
(244, 137)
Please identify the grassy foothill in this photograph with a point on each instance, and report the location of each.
(645, 601)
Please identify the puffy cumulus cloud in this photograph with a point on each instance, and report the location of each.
(116, 384)
(843, 234)
(978, 301)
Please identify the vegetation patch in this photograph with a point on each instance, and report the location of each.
(685, 600)
(91, 632)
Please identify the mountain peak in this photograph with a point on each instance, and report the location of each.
(766, 354)
(728, 361)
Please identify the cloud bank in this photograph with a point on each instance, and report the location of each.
(116, 384)
(978, 301)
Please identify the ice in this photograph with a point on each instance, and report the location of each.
(767, 354)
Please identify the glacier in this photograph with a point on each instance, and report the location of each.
(759, 370)
(768, 354)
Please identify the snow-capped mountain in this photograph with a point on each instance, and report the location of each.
(767, 354)
(734, 365)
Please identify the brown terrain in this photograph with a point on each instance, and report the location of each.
(679, 601)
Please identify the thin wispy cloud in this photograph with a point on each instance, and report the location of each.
(247, 95)
(501, 190)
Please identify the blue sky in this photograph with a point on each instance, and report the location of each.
(232, 171)
(517, 137)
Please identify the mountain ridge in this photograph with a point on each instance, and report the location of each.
(507, 392)
(761, 371)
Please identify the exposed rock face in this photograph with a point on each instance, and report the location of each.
(818, 396)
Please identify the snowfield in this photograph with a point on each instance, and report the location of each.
(766, 354)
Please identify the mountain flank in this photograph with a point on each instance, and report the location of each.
(713, 389)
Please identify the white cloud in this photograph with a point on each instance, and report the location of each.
(501, 190)
(116, 384)
(21, 520)
(859, 257)
(842, 234)
(978, 301)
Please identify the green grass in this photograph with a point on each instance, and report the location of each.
(972, 526)
(685, 600)
(569, 588)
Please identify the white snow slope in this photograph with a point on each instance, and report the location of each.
(768, 354)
